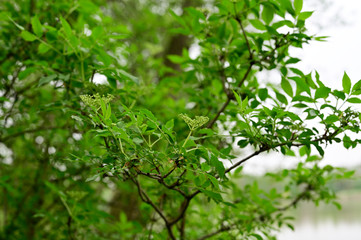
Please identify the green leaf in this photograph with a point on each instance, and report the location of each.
(281, 98)
(339, 94)
(36, 25)
(218, 165)
(128, 76)
(238, 98)
(346, 83)
(286, 86)
(263, 94)
(43, 48)
(27, 36)
(26, 72)
(331, 119)
(356, 88)
(108, 112)
(267, 14)
(170, 124)
(244, 104)
(322, 92)
(215, 196)
(304, 15)
(66, 27)
(346, 142)
(298, 6)
(257, 236)
(47, 79)
(257, 24)
(354, 100)
(176, 59)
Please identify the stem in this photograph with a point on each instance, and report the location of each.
(190, 132)
(82, 70)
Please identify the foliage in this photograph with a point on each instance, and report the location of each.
(124, 159)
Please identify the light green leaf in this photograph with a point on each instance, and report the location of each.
(36, 25)
(239, 100)
(267, 14)
(27, 36)
(257, 24)
(66, 27)
(354, 100)
(322, 92)
(304, 15)
(346, 83)
(298, 6)
(244, 104)
(43, 48)
(176, 59)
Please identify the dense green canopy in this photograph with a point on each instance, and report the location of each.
(156, 150)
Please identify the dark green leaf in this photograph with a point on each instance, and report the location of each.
(286, 86)
(263, 94)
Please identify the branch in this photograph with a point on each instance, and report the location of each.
(245, 159)
(6, 138)
(299, 197)
(211, 123)
(222, 229)
(145, 198)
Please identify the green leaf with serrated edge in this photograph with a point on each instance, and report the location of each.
(346, 83)
(36, 26)
(286, 86)
(27, 36)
